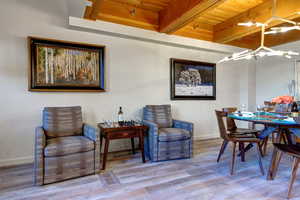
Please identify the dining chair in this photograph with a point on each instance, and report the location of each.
(291, 150)
(269, 106)
(233, 129)
(236, 139)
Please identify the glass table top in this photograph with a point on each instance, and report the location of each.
(266, 117)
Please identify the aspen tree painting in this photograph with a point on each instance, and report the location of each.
(62, 66)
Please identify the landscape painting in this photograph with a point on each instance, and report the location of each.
(192, 80)
(62, 66)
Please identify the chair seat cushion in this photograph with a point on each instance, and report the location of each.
(244, 131)
(68, 145)
(172, 134)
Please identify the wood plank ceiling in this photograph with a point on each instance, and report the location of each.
(211, 20)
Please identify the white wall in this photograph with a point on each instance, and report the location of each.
(137, 73)
(274, 74)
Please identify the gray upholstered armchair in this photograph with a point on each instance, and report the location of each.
(65, 147)
(167, 139)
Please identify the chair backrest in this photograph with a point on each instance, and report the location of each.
(231, 126)
(221, 116)
(283, 108)
(269, 106)
(159, 114)
(62, 121)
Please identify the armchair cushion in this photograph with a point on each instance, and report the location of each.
(184, 125)
(62, 121)
(173, 134)
(159, 114)
(68, 145)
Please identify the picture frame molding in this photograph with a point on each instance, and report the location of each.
(173, 96)
(31, 60)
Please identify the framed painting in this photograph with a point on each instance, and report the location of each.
(192, 80)
(65, 66)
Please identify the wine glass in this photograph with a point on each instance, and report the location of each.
(243, 108)
(259, 108)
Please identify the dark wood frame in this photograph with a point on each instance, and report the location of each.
(172, 80)
(33, 41)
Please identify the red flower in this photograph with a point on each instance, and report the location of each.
(283, 99)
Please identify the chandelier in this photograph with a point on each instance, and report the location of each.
(262, 50)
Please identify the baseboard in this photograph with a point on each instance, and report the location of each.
(206, 137)
(16, 161)
(29, 159)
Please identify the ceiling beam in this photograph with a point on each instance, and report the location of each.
(120, 13)
(245, 43)
(181, 12)
(145, 4)
(229, 30)
(282, 38)
(197, 31)
(91, 12)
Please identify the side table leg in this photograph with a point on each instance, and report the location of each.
(101, 141)
(105, 153)
(132, 145)
(141, 138)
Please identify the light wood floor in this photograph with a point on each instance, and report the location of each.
(127, 178)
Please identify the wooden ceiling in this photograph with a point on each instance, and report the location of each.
(211, 20)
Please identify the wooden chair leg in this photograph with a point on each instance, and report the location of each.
(283, 138)
(273, 137)
(223, 147)
(260, 145)
(272, 164)
(259, 159)
(265, 146)
(293, 176)
(276, 163)
(242, 151)
(233, 158)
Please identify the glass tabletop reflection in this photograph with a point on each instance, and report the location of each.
(266, 118)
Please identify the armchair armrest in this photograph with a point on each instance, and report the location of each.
(93, 134)
(151, 140)
(183, 125)
(40, 143)
(186, 126)
(153, 127)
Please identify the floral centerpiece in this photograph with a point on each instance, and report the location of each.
(283, 100)
(283, 103)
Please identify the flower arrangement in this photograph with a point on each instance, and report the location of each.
(283, 100)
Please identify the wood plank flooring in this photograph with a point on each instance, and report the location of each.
(127, 177)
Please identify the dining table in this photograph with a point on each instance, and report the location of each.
(286, 127)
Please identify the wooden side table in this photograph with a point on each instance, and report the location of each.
(115, 131)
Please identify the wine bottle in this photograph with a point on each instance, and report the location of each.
(294, 109)
(120, 116)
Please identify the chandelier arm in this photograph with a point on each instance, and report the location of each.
(262, 50)
(269, 49)
(286, 20)
(262, 42)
